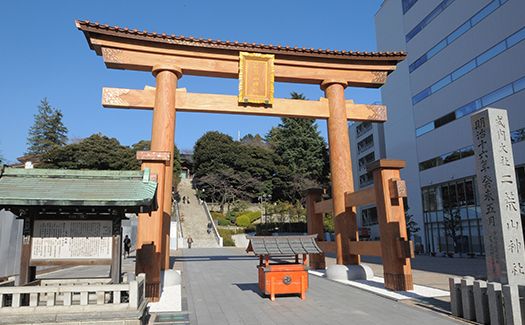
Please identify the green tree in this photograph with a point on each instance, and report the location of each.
(48, 131)
(97, 152)
(302, 158)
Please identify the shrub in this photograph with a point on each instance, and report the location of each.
(224, 222)
(226, 235)
(252, 215)
(243, 221)
(217, 215)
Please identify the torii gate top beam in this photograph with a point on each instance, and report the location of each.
(123, 48)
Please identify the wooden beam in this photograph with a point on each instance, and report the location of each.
(367, 248)
(327, 246)
(324, 206)
(118, 58)
(227, 104)
(361, 197)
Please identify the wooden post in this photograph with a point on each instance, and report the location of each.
(395, 247)
(341, 170)
(315, 226)
(150, 235)
(27, 272)
(163, 139)
(116, 252)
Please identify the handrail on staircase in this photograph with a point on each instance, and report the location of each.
(177, 218)
(214, 226)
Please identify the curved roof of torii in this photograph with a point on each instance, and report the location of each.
(90, 27)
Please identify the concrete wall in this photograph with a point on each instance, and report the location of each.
(10, 243)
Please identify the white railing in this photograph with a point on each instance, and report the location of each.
(73, 297)
(214, 226)
(177, 218)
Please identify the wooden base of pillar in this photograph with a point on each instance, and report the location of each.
(148, 262)
(398, 282)
(153, 290)
(316, 261)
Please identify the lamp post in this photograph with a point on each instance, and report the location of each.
(263, 199)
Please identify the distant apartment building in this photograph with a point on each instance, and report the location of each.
(367, 145)
(462, 56)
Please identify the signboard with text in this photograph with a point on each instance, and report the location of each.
(496, 179)
(256, 78)
(70, 240)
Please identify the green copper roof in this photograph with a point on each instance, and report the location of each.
(86, 188)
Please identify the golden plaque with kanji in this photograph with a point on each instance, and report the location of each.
(256, 76)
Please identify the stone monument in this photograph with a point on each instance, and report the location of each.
(496, 179)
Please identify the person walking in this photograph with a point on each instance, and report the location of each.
(189, 241)
(209, 228)
(127, 246)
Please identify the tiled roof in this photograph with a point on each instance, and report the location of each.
(72, 188)
(87, 26)
(283, 245)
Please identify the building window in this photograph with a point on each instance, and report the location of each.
(471, 65)
(363, 162)
(428, 19)
(363, 128)
(369, 217)
(365, 144)
(366, 179)
(452, 216)
(477, 104)
(407, 4)
(479, 16)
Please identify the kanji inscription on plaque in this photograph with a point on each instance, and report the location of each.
(71, 239)
(256, 77)
(496, 178)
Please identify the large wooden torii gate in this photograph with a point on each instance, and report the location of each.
(169, 57)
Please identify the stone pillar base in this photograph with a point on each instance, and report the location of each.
(399, 282)
(349, 272)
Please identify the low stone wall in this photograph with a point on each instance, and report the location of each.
(74, 302)
(486, 302)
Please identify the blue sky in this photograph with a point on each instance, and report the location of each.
(44, 55)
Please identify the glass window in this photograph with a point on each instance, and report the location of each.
(451, 156)
(517, 135)
(425, 129)
(458, 32)
(484, 12)
(369, 216)
(407, 4)
(516, 38)
(469, 108)
(426, 201)
(461, 195)
(420, 96)
(436, 49)
(445, 119)
(432, 204)
(520, 177)
(519, 85)
(433, 14)
(490, 53)
(497, 95)
(440, 84)
(458, 73)
(467, 152)
(418, 62)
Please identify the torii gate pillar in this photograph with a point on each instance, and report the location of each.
(341, 171)
(163, 139)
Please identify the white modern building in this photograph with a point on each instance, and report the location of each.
(462, 56)
(366, 146)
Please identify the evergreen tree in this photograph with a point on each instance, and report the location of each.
(302, 159)
(48, 131)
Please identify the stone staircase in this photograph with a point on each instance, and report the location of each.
(195, 222)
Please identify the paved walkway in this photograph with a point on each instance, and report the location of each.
(432, 271)
(220, 286)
